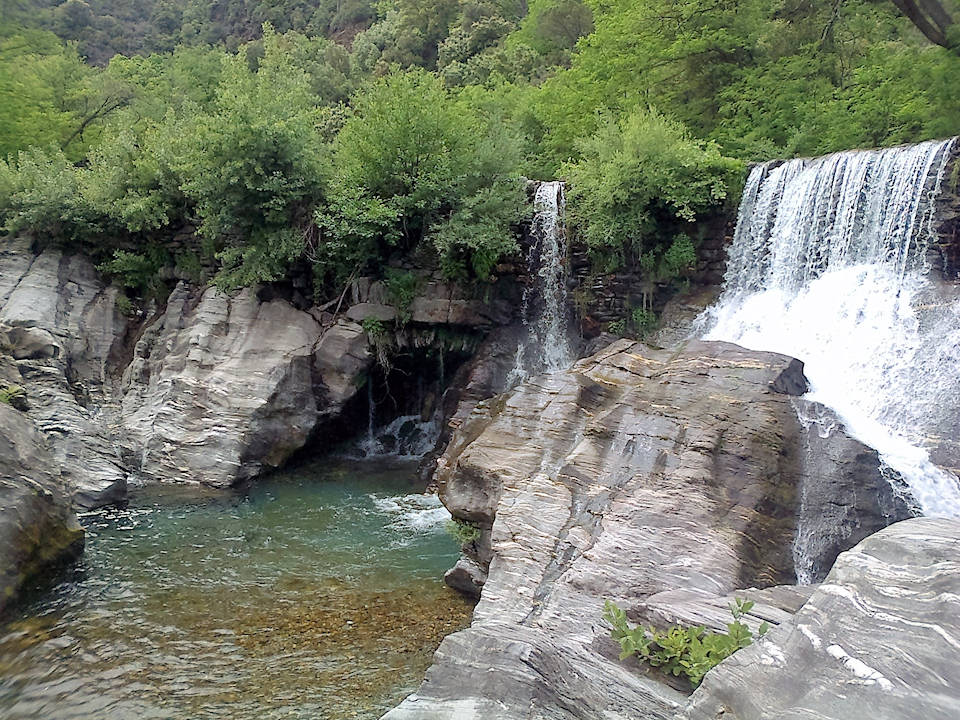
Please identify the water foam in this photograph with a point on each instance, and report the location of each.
(829, 265)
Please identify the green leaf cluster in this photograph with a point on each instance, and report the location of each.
(464, 531)
(403, 177)
(637, 174)
(13, 395)
(690, 652)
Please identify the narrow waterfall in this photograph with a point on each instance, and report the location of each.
(547, 348)
(828, 265)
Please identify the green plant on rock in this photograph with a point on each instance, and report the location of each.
(373, 327)
(138, 271)
(402, 287)
(691, 651)
(13, 395)
(464, 531)
(379, 338)
(125, 306)
(617, 327)
(643, 321)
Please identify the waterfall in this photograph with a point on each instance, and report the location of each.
(828, 264)
(544, 311)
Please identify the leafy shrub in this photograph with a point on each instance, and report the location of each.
(13, 395)
(137, 271)
(636, 175)
(464, 531)
(690, 652)
(402, 176)
(617, 327)
(373, 327)
(253, 164)
(125, 306)
(42, 196)
(643, 321)
(402, 288)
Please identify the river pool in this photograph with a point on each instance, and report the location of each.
(317, 594)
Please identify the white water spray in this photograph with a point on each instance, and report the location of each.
(548, 347)
(828, 265)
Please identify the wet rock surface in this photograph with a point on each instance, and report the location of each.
(880, 638)
(635, 473)
(38, 527)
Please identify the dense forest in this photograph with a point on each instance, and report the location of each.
(247, 139)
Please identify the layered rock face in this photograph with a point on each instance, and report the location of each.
(208, 388)
(38, 527)
(60, 330)
(221, 388)
(880, 638)
(635, 473)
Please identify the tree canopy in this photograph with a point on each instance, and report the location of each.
(251, 139)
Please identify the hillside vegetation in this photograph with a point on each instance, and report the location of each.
(284, 136)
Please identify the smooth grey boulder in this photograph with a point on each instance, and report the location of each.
(879, 639)
(636, 472)
(38, 527)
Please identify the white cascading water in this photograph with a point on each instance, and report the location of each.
(828, 265)
(548, 347)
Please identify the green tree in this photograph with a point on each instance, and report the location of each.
(637, 175)
(402, 175)
(253, 165)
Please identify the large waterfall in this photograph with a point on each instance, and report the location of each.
(829, 265)
(545, 301)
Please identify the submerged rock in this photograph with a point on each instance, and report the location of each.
(38, 527)
(636, 472)
(880, 638)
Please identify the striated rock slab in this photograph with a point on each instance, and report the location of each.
(880, 638)
(637, 472)
(221, 388)
(59, 324)
(215, 389)
(38, 527)
(438, 302)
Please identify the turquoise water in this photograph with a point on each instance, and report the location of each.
(316, 595)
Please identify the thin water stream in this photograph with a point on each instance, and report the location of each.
(317, 595)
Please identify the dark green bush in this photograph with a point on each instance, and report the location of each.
(403, 176)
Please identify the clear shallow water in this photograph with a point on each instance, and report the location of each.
(317, 595)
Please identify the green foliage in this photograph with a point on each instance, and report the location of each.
(41, 195)
(310, 145)
(637, 174)
(690, 652)
(403, 176)
(402, 287)
(374, 328)
(617, 327)
(13, 395)
(643, 321)
(253, 164)
(125, 306)
(464, 531)
(137, 271)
